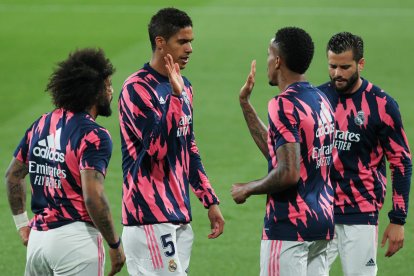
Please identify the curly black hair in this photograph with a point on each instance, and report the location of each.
(166, 23)
(296, 47)
(77, 82)
(345, 41)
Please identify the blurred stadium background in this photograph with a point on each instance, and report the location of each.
(34, 35)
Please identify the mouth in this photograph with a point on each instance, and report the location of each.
(185, 60)
(340, 81)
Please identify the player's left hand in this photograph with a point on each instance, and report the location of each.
(24, 233)
(395, 236)
(239, 193)
(174, 75)
(216, 221)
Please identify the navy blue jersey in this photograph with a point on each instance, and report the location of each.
(302, 114)
(55, 149)
(160, 159)
(369, 130)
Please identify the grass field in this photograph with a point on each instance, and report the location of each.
(34, 35)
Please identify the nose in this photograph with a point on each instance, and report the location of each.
(189, 48)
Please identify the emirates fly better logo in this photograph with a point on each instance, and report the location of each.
(49, 148)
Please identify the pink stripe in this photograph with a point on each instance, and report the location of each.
(272, 265)
(278, 251)
(157, 249)
(150, 246)
(101, 254)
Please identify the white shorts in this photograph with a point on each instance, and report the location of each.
(158, 249)
(293, 258)
(72, 249)
(357, 249)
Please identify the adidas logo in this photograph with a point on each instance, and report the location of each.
(49, 148)
(161, 99)
(370, 262)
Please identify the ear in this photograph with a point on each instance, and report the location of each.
(159, 43)
(278, 62)
(361, 64)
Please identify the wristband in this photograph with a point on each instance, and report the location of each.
(115, 245)
(21, 220)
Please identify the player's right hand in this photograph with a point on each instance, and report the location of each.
(24, 233)
(239, 193)
(247, 88)
(117, 259)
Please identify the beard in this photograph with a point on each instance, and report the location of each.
(350, 83)
(104, 107)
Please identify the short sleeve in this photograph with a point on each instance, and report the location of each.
(96, 151)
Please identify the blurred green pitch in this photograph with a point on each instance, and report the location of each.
(35, 35)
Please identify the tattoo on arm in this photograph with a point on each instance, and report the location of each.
(256, 127)
(16, 186)
(285, 175)
(97, 204)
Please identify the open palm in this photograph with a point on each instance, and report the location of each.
(174, 75)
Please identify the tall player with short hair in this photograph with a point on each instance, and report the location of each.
(160, 158)
(66, 154)
(297, 145)
(369, 130)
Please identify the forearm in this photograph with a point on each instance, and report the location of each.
(276, 181)
(97, 204)
(16, 186)
(199, 181)
(401, 182)
(285, 175)
(99, 211)
(257, 128)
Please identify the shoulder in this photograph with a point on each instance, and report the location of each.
(325, 87)
(88, 127)
(380, 95)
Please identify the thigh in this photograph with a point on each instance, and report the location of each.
(76, 249)
(357, 246)
(283, 258)
(332, 251)
(185, 237)
(152, 250)
(36, 263)
(318, 258)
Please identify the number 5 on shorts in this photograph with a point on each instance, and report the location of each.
(168, 244)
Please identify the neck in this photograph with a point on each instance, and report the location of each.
(158, 64)
(93, 111)
(289, 78)
(355, 87)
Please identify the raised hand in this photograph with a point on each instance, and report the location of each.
(247, 88)
(174, 75)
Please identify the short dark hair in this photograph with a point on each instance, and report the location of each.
(77, 82)
(166, 23)
(296, 47)
(345, 41)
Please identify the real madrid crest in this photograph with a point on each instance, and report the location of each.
(360, 118)
(172, 266)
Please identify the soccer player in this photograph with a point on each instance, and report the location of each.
(66, 154)
(298, 146)
(160, 158)
(369, 130)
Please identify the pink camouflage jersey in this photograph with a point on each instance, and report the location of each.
(302, 114)
(160, 159)
(55, 149)
(369, 130)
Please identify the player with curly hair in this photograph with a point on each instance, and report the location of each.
(66, 154)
